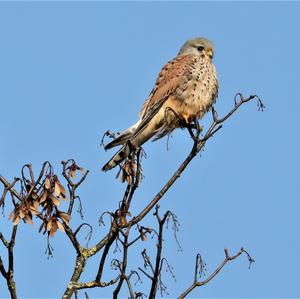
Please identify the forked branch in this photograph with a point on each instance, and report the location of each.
(198, 146)
(199, 268)
(9, 273)
(39, 196)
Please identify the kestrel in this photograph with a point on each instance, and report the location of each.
(186, 88)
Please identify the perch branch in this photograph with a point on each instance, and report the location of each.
(197, 147)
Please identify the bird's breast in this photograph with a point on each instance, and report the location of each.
(199, 92)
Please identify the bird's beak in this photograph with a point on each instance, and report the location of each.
(210, 53)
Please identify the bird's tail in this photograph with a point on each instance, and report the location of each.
(137, 135)
(123, 137)
(135, 141)
(122, 154)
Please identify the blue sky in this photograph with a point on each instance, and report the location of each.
(71, 70)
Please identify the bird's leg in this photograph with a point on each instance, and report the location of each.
(180, 121)
(194, 124)
(191, 122)
(186, 121)
(197, 126)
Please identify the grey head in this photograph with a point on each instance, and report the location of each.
(199, 46)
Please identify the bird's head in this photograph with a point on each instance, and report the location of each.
(199, 46)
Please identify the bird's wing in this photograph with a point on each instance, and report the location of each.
(172, 76)
(172, 81)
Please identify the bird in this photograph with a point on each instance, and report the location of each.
(185, 89)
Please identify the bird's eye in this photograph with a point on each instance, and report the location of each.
(200, 48)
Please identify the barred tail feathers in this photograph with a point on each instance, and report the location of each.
(121, 155)
(131, 144)
(147, 129)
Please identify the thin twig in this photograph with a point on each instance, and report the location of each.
(227, 258)
(8, 187)
(122, 265)
(72, 186)
(93, 284)
(197, 147)
(3, 240)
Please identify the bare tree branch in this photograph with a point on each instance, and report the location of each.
(93, 284)
(227, 258)
(157, 269)
(9, 274)
(71, 166)
(104, 255)
(3, 240)
(2, 269)
(45, 192)
(197, 147)
(8, 187)
(122, 265)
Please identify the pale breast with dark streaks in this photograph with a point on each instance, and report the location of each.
(200, 91)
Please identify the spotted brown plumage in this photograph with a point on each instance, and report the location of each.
(185, 90)
(173, 77)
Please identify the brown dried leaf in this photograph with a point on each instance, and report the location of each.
(33, 211)
(11, 215)
(60, 226)
(47, 183)
(28, 219)
(128, 170)
(62, 193)
(21, 213)
(72, 173)
(54, 225)
(57, 188)
(62, 197)
(34, 196)
(44, 196)
(52, 233)
(15, 215)
(35, 205)
(49, 225)
(122, 221)
(55, 200)
(16, 220)
(64, 217)
(62, 190)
